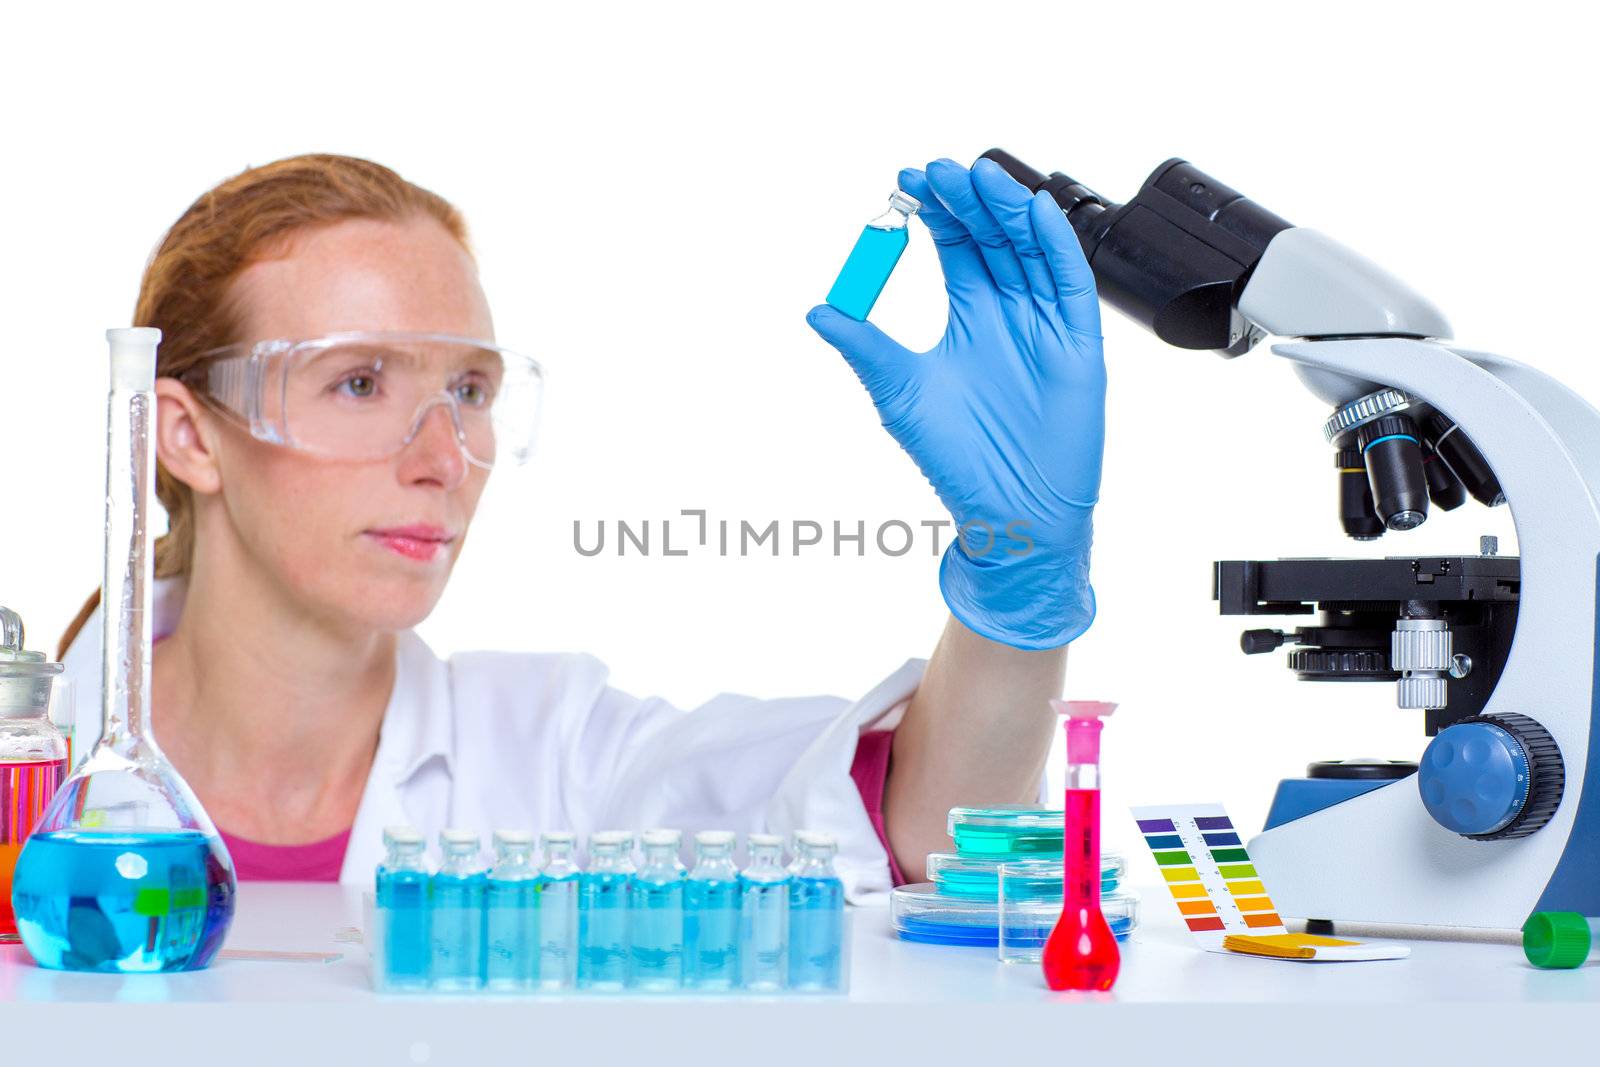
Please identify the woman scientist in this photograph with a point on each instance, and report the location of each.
(331, 400)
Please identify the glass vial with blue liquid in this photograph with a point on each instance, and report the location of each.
(764, 916)
(603, 911)
(558, 911)
(711, 914)
(402, 890)
(816, 916)
(457, 894)
(512, 901)
(655, 925)
(873, 258)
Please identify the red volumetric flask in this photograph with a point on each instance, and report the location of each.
(1081, 952)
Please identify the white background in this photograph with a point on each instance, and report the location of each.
(658, 193)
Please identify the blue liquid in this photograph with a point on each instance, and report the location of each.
(123, 902)
(656, 930)
(603, 930)
(711, 933)
(513, 933)
(403, 925)
(763, 933)
(816, 933)
(558, 932)
(458, 930)
(867, 270)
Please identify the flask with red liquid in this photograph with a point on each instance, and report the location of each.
(33, 753)
(1082, 952)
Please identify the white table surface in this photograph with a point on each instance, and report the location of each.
(1466, 1003)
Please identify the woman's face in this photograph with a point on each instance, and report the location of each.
(368, 543)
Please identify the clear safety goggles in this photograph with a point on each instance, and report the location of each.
(365, 395)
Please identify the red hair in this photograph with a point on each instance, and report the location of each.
(186, 291)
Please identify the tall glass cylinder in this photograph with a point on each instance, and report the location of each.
(125, 872)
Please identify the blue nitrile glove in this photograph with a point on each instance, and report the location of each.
(1006, 415)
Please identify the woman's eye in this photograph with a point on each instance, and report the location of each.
(359, 385)
(473, 394)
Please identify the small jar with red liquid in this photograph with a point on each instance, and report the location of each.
(33, 753)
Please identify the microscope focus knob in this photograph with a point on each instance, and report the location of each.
(1492, 777)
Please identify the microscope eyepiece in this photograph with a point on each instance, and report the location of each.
(1393, 458)
(1175, 258)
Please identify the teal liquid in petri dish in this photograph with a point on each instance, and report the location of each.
(867, 270)
(711, 933)
(816, 932)
(656, 930)
(603, 930)
(123, 902)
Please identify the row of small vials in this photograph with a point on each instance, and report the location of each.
(527, 925)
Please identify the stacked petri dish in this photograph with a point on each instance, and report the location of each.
(960, 904)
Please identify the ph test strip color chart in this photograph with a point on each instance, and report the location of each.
(1208, 872)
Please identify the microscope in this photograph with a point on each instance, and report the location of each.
(1499, 817)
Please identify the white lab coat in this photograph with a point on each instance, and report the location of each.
(538, 740)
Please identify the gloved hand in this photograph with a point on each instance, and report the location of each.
(1005, 416)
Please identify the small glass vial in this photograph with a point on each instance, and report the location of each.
(655, 921)
(711, 915)
(456, 895)
(512, 901)
(764, 916)
(816, 916)
(558, 911)
(873, 258)
(603, 912)
(402, 913)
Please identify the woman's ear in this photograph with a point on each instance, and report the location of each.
(185, 443)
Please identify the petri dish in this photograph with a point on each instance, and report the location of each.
(1007, 831)
(921, 913)
(1030, 904)
(979, 876)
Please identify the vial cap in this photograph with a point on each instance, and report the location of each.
(765, 840)
(714, 838)
(1556, 939)
(815, 839)
(401, 834)
(451, 836)
(660, 838)
(611, 838)
(513, 837)
(558, 837)
(904, 201)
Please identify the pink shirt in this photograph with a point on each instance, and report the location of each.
(321, 861)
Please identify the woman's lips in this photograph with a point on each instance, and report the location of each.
(420, 542)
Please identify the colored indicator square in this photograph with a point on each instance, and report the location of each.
(1202, 925)
(1180, 874)
(1247, 889)
(1156, 826)
(1196, 907)
(1188, 889)
(1213, 822)
(1238, 870)
(1253, 903)
(1260, 919)
(1170, 859)
(1164, 841)
(1220, 840)
(1230, 855)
